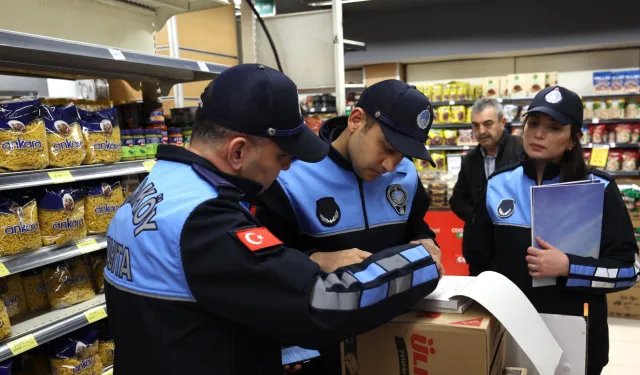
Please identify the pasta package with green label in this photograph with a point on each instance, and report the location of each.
(102, 136)
(19, 227)
(34, 290)
(76, 354)
(64, 136)
(23, 140)
(61, 216)
(12, 293)
(100, 206)
(67, 283)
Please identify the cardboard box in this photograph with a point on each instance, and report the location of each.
(517, 85)
(491, 87)
(625, 304)
(535, 82)
(551, 79)
(429, 344)
(504, 87)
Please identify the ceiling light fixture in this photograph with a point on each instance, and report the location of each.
(329, 3)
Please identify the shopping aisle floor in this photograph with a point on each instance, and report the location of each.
(624, 351)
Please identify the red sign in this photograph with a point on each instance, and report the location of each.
(471, 322)
(448, 228)
(257, 238)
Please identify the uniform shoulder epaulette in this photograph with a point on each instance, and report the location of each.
(504, 169)
(602, 174)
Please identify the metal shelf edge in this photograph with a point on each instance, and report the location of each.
(51, 254)
(54, 324)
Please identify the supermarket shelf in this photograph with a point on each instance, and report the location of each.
(57, 58)
(450, 148)
(624, 173)
(352, 45)
(51, 254)
(48, 326)
(610, 96)
(17, 180)
(107, 370)
(452, 102)
(594, 121)
(451, 126)
(633, 146)
(322, 110)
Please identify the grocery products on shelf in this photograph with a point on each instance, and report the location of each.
(451, 137)
(619, 82)
(615, 108)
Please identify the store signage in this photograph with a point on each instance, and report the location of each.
(265, 8)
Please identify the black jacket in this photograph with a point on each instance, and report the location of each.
(277, 212)
(502, 236)
(196, 285)
(472, 180)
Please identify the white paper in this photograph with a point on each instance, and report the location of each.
(203, 66)
(449, 286)
(117, 54)
(516, 313)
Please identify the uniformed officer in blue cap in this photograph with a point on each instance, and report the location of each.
(366, 193)
(195, 283)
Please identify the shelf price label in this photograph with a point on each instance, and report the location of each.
(108, 372)
(595, 121)
(22, 344)
(203, 66)
(96, 314)
(87, 246)
(323, 109)
(599, 155)
(116, 54)
(3, 270)
(148, 164)
(60, 177)
(452, 102)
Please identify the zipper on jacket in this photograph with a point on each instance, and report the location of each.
(364, 208)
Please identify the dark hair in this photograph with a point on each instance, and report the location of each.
(369, 122)
(572, 164)
(209, 133)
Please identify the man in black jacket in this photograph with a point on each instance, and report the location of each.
(496, 149)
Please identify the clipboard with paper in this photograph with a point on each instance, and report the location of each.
(569, 217)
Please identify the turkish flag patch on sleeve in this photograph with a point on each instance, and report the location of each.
(257, 238)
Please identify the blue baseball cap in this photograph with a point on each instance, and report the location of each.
(562, 104)
(259, 100)
(404, 113)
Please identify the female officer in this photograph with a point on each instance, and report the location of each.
(502, 242)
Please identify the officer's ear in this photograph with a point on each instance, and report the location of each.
(357, 120)
(238, 152)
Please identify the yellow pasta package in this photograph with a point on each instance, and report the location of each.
(5, 323)
(19, 227)
(129, 185)
(76, 354)
(23, 141)
(102, 136)
(61, 216)
(67, 283)
(64, 136)
(96, 263)
(100, 205)
(106, 346)
(34, 290)
(12, 294)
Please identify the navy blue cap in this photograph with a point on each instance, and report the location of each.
(404, 113)
(563, 105)
(258, 100)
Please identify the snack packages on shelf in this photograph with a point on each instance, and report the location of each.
(102, 136)
(64, 136)
(19, 227)
(76, 353)
(436, 137)
(12, 293)
(100, 205)
(23, 140)
(67, 283)
(34, 290)
(61, 216)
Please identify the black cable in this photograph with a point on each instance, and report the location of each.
(266, 31)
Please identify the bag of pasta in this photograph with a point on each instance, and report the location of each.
(23, 140)
(12, 294)
(96, 263)
(19, 227)
(64, 136)
(5, 323)
(34, 290)
(129, 185)
(106, 346)
(102, 136)
(76, 354)
(100, 205)
(67, 283)
(61, 216)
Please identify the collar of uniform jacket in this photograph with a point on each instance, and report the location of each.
(551, 171)
(248, 188)
(331, 130)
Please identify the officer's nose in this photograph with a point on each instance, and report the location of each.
(286, 163)
(389, 164)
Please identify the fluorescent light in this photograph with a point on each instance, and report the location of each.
(329, 3)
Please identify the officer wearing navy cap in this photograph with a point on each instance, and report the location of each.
(366, 193)
(502, 241)
(196, 285)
